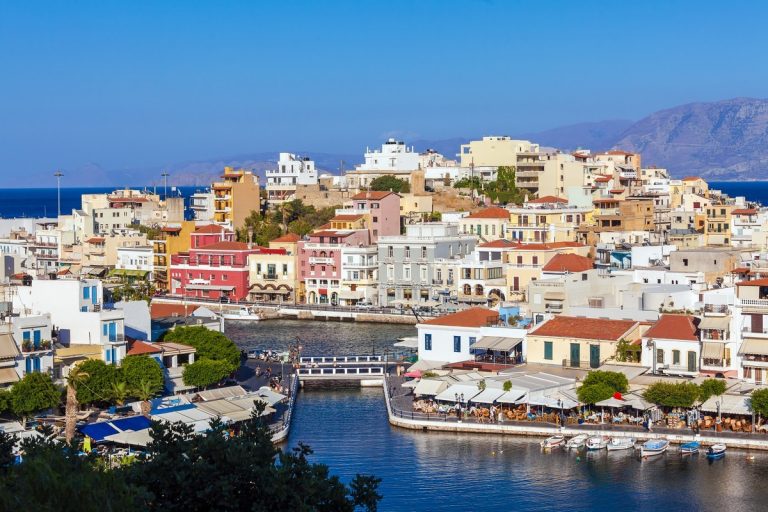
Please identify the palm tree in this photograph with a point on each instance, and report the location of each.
(76, 377)
(120, 392)
(144, 392)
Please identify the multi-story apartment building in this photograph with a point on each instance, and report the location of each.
(202, 204)
(494, 151)
(547, 219)
(172, 239)
(135, 262)
(379, 212)
(273, 274)
(751, 327)
(488, 224)
(408, 264)
(360, 269)
(717, 225)
(745, 222)
(291, 171)
(393, 159)
(235, 197)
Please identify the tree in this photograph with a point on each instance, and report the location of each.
(504, 190)
(75, 378)
(759, 401)
(481, 385)
(120, 392)
(264, 229)
(388, 183)
(711, 387)
(205, 372)
(144, 392)
(300, 227)
(617, 381)
(142, 368)
(5, 401)
(97, 386)
(208, 344)
(593, 393)
(507, 385)
(35, 392)
(682, 394)
(470, 183)
(626, 352)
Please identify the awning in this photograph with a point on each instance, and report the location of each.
(351, 295)
(8, 348)
(729, 404)
(131, 438)
(512, 396)
(100, 430)
(757, 347)
(8, 375)
(128, 273)
(465, 392)
(488, 396)
(712, 350)
(210, 287)
(323, 291)
(719, 323)
(554, 296)
(430, 387)
(612, 402)
(498, 343)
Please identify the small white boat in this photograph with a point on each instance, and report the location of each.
(243, 314)
(597, 443)
(576, 441)
(621, 443)
(653, 447)
(553, 442)
(691, 447)
(716, 451)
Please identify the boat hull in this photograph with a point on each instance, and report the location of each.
(653, 450)
(622, 445)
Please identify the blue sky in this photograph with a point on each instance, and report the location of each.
(132, 84)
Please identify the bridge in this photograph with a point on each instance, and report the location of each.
(344, 371)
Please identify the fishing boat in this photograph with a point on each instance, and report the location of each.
(716, 451)
(553, 442)
(621, 443)
(243, 314)
(576, 441)
(690, 447)
(653, 447)
(597, 443)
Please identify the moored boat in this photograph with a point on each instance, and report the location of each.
(597, 443)
(576, 441)
(553, 442)
(243, 314)
(653, 447)
(716, 451)
(621, 443)
(690, 447)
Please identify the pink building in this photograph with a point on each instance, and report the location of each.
(320, 263)
(210, 234)
(384, 210)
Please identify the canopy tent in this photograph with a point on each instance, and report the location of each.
(430, 387)
(753, 346)
(612, 402)
(497, 343)
(713, 350)
(131, 437)
(729, 404)
(553, 402)
(462, 392)
(351, 295)
(638, 402)
(488, 396)
(410, 384)
(719, 323)
(128, 273)
(512, 396)
(269, 396)
(100, 430)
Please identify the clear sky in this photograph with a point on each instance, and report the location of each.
(145, 83)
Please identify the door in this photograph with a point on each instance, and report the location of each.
(757, 323)
(594, 356)
(575, 354)
(112, 331)
(758, 375)
(691, 361)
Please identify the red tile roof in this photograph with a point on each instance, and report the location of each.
(494, 212)
(617, 191)
(287, 238)
(674, 327)
(171, 229)
(139, 348)
(603, 178)
(754, 282)
(159, 310)
(330, 232)
(568, 263)
(584, 328)
(744, 211)
(345, 218)
(96, 240)
(210, 228)
(547, 246)
(618, 152)
(225, 246)
(548, 200)
(691, 178)
(374, 195)
(474, 317)
(499, 244)
(740, 270)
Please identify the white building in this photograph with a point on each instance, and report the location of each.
(139, 260)
(291, 171)
(672, 346)
(202, 205)
(360, 275)
(33, 336)
(393, 156)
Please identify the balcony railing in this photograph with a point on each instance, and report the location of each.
(269, 277)
(761, 304)
(716, 308)
(314, 260)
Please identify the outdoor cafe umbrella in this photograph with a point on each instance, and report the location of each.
(414, 374)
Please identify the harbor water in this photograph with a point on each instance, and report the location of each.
(348, 430)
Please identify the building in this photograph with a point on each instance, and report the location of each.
(291, 171)
(494, 151)
(578, 342)
(273, 275)
(135, 263)
(547, 219)
(202, 203)
(450, 338)
(672, 346)
(380, 212)
(393, 159)
(488, 224)
(410, 265)
(235, 197)
(170, 239)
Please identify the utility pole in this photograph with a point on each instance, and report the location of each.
(58, 175)
(472, 179)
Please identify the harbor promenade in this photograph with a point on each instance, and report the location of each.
(399, 402)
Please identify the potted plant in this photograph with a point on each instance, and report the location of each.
(45, 344)
(26, 346)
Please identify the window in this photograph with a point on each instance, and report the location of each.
(389, 251)
(86, 293)
(457, 343)
(407, 273)
(535, 260)
(375, 219)
(407, 251)
(676, 357)
(548, 350)
(685, 262)
(659, 356)
(427, 342)
(423, 251)
(472, 341)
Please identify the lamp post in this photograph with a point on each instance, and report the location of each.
(58, 175)
(165, 184)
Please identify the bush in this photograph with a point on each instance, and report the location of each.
(617, 381)
(711, 387)
(759, 401)
(205, 372)
(682, 394)
(136, 369)
(209, 345)
(593, 393)
(97, 387)
(387, 183)
(35, 392)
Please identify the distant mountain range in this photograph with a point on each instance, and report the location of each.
(724, 140)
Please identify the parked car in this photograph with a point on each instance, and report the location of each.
(364, 305)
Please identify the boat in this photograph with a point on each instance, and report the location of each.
(597, 443)
(653, 447)
(716, 451)
(243, 314)
(690, 447)
(553, 442)
(576, 441)
(621, 443)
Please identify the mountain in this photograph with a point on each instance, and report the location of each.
(597, 136)
(723, 140)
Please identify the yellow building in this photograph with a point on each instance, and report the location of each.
(415, 205)
(494, 151)
(547, 219)
(578, 342)
(235, 197)
(173, 239)
(717, 225)
(489, 223)
(273, 274)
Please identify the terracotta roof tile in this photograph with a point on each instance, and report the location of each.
(474, 317)
(287, 238)
(494, 212)
(498, 244)
(744, 211)
(754, 282)
(691, 178)
(584, 328)
(674, 327)
(210, 228)
(96, 240)
(374, 195)
(225, 246)
(139, 348)
(159, 310)
(568, 263)
(548, 200)
(347, 218)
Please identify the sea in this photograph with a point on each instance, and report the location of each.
(348, 430)
(41, 202)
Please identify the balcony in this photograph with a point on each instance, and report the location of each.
(269, 277)
(716, 309)
(116, 338)
(757, 305)
(715, 364)
(315, 260)
(29, 347)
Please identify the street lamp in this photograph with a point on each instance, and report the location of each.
(58, 175)
(165, 184)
